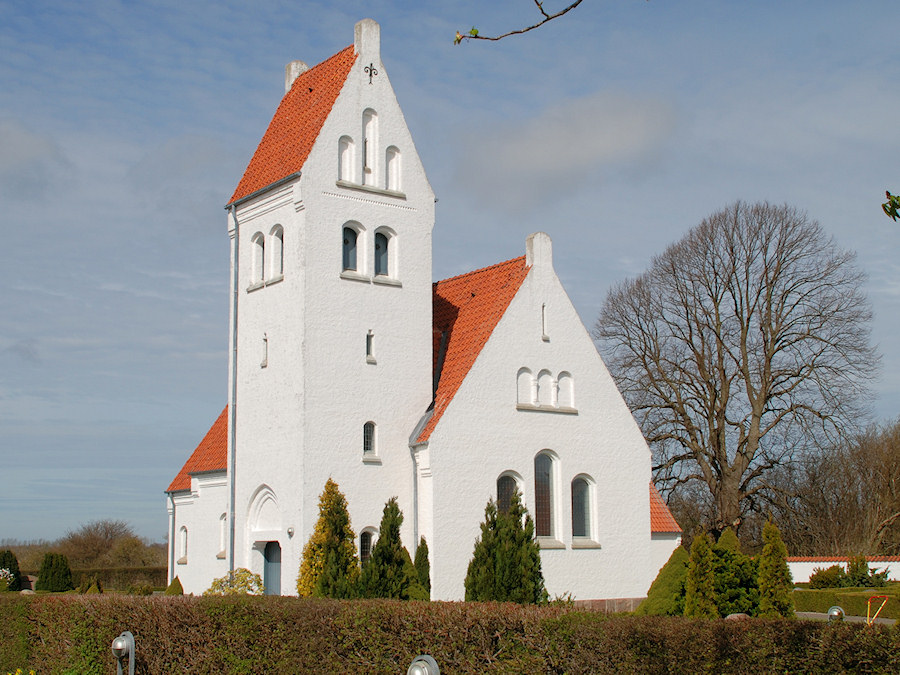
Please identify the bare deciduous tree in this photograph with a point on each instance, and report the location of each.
(742, 342)
(845, 499)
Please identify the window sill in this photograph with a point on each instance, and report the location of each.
(560, 410)
(353, 275)
(583, 542)
(255, 286)
(370, 188)
(220, 555)
(386, 281)
(547, 543)
(371, 459)
(371, 359)
(181, 561)
(274, 280)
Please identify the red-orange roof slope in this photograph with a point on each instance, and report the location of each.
(661, 519)
(210, 455)
(296, 125)
(466, 309)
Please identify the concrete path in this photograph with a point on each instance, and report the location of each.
(820, 616)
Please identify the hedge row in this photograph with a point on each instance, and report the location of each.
(72, 634)
(852, 600)
(121, 578)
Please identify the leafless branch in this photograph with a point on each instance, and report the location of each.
(473, 34)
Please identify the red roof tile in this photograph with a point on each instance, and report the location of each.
(661, 519)
(210, 455)
(294, 128)
(467, 308)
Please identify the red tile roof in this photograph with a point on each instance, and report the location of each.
(210, 455)
(467, 308)
(294, 128)
(840, 559)
(661, 519)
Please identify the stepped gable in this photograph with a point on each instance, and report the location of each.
(661, 519)
(467, 308)
(296, 125)
(210, 455)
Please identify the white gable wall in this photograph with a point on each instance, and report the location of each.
(482, 434)
(199, 511)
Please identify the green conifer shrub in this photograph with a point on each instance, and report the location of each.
(174, 588)
(506, 562)
(389, 573)
(9, 561)
(859, 575)
(736, 587)
(829, 577)
(774, 576)
(55, 574)
(423, 567)
(329, 567)
(729, 541)
(700, 592)
(666, 594)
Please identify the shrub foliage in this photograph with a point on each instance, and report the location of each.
(700, 585)
(774, 575)
(9, 561)
(390, 573)
(175, 588)
(240, 582)
(329, 567)
(423, 567)
(55, 574)
(506, 562)
(666, 594)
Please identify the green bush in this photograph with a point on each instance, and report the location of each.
(852, 601)
(506, 562)
(175, 587)
(139, 589)
(666, 594)
(735, 582)
(423, 567)
(329, 566)
(857, 575)
(774, 576)
(700, 584)
(9, 561)
(389, 573)
(240, 582)
(55, 574)
(829, 577)
(71, 634)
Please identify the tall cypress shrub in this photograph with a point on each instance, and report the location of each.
(700, 593)
(55, 574)
(774, 575)
(506, 562)
(329, 567)
(389, 573)
(423, 567)
(9, 561)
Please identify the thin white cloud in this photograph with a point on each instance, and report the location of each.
(517, 166)
(29, 162)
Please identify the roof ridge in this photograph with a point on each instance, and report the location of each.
(480, 269)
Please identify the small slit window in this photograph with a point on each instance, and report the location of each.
(258, 273)
(346, 160)
(182, 545)
(277, 252)
(349, 255)
(369, 438)
(370, 147)
(393, 169)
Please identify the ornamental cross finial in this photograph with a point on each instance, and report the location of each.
(370, 71)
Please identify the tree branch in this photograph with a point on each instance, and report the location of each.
(474, 35)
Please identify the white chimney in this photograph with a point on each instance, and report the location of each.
(291, 72)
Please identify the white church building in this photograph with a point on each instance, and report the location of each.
(346, 361)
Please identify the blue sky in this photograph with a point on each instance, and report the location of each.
(124, 127)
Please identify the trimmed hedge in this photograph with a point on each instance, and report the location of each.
(72, 634)
(121, 578)
(852, 600)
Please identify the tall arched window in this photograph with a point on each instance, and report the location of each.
(346, 159)
(223, 532)
(543, 495)
(506, 486)
(392, 181)
(369, 438)
(258, 273)
(581, 507)
(276, 255)
(382, 260)
(349, 257)
(365, 546)
(370, 147)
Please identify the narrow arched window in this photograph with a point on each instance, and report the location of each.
(393, 169)
(182, 544)
(370, 147)
(346, 159)
(349, 259)
(543, 495)
(276, 255)
(223, 532)
(369, 438)
(258, 273)
(581, 508)
(546, 389)
(506, 486)
(365, 546)
(566, 388)
(382, 261)
(525, 387)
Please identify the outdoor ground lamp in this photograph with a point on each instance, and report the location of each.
(123, 648)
